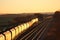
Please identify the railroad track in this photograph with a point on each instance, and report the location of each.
(35, 32)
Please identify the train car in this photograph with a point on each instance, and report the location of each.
(39, 16)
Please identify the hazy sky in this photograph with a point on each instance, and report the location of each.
(23, 6)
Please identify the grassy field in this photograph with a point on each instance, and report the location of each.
(7, 20)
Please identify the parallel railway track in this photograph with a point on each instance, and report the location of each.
(36, 32)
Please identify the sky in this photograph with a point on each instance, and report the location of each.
(28, 6)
